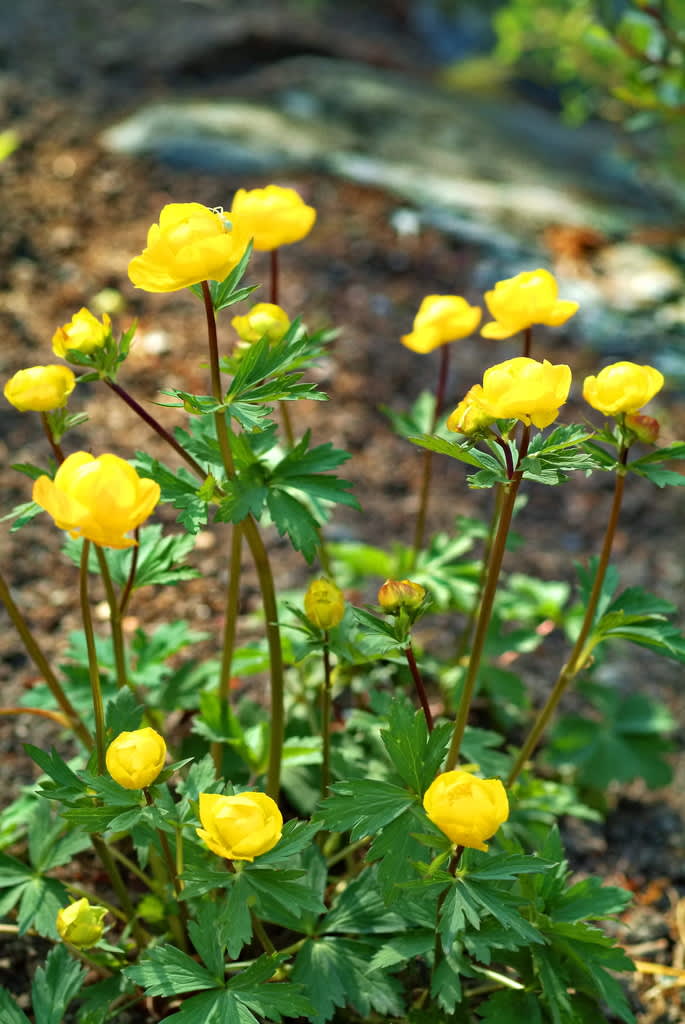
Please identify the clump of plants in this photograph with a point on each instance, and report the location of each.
(359, 847)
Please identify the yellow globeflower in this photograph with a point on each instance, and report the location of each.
(264, 319)
(239, 827)
(440, 319)
(135, 759)
(81, 923)
(525, 389)
(622, 387)
(469, 417)
(100, 499)
(40, 388)
(397, 594)
(527, 299)
(324, 604)
(84, 332)
(272, 216)
(190, 244)
(467, 809)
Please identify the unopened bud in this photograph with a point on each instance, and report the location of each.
(397, 594)
(324, 604)
(645, 428)
(81, 924)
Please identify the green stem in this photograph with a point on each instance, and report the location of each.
(230, 623)
(264, 940)
(580, 652)
(128, 589)
(177, 922)
(40, 661)
(467, 632)
(420, 688)
(426, 479)
(326, 719)
(114, 619)
(437, 949)
(93, 670)
(100, 847)
(56, 447)
(486, 605)
(262, 566)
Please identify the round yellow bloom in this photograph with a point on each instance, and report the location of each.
(135, 759)
(239, 827)
(264, 319)
(324, 604)
(101, 499)
(622, 387)
(190, 244)
(84, 332)
(440, 319)
(469, 417)
(397, 594)
(527, 299)
(467, 809)
(40, 388)
(272, 216)
(81, 924)
(525, 389)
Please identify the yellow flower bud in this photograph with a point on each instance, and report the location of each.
(645, 428)
(397, 594)
(40, 388)
(441, 319)
(526, 299)
(81, 923)
(324, 604)
(525, 389)
(135, 759)
(469, 417)
(190, 244)
(622, 387)
(467, 809)
(101, 499)
(264, 319)
(239, 827)
(84, 332)
(272, 216)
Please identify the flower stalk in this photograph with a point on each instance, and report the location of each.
(426, 479)
(93, 670)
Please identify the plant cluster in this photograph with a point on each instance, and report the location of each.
(359, 846)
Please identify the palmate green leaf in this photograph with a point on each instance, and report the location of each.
(208, 933)
(291, 517)
(9, 1011)
(279, 889)
(41, 899)
(67, 784)
(179, 488)
(335, 972)
(236, 914)
(214, 1007)
(22, 514)
(446, 987)
(501, 867)
(361, 908)
(397, 851)
(419, 419)
(363, 806)
(400, 949)
(458, 910)
(55, 985)
(464, 452)
(244, 496)
(503, 907)
(416, 753)
(167, 971)
(590, 900)
(511, 1007)
(273, 1000)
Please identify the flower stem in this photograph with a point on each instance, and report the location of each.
(114, 619)
(261, 560)
(53, 716)
(325, 701)
(102, 850)
(128, 589)
(420, 688)
(43, 666)
(424, 494)
(527, 342)
(93, 670)
(580, 652)
(273, 288)
(230, 623)
(486, 605)
(264, 940)
(177, 923)
(56, 447)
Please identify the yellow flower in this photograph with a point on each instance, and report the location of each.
(525, 389)
(469, 417)
(101, 499)
(527, 299)
(324, 604)
(263, 319)
(84, 332)
(467, 809)
(239, 827)
(40, 388)
(272, 216)
(81, 923)
(440, 319)
(622, 387)
(397, 594)
(135, 759)
(190, 244)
